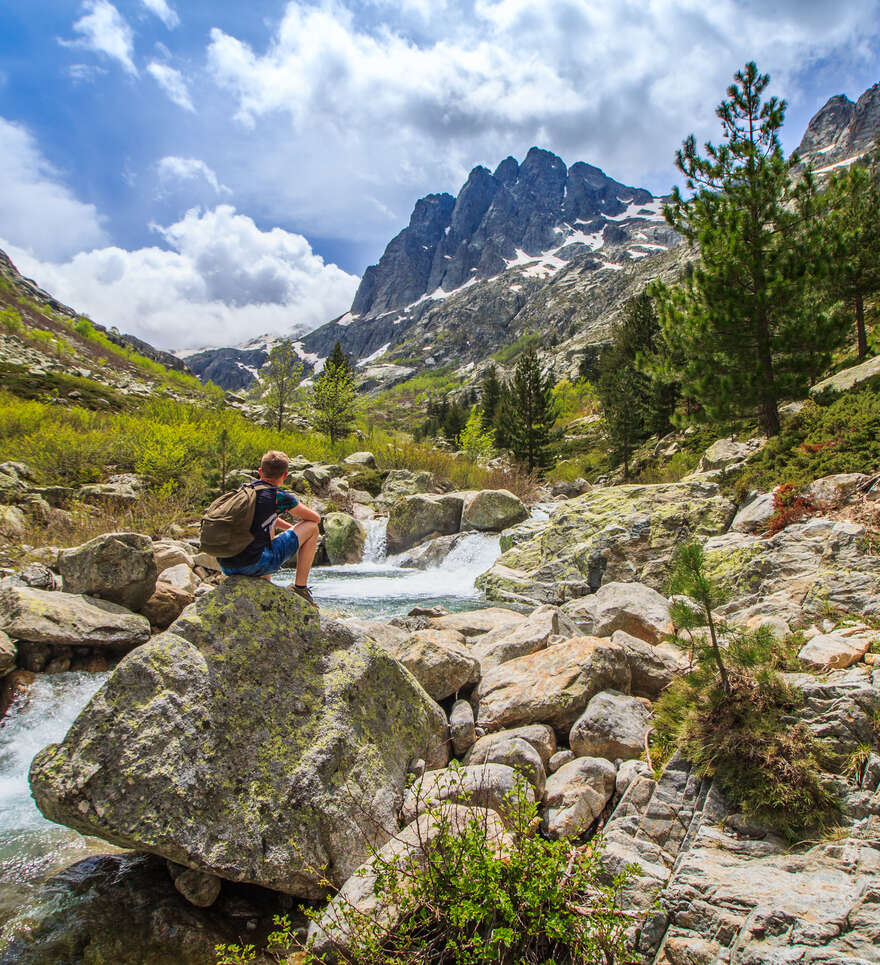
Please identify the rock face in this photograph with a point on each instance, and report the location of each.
(344, 538)
(492, 510)
(799, 572)
(115, 566)
(841, 129)
(552, 686)
(414, 518)
(249, 741)
(63, 619)
(619, 533)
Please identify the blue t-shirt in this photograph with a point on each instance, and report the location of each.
(271, 503)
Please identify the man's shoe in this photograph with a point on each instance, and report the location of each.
(306, 594)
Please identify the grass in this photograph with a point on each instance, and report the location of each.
(510, 352)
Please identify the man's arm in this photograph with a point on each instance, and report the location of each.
(303, 512)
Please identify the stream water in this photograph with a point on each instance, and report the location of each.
(32, 848)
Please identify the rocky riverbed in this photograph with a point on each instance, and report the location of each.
(231, 741)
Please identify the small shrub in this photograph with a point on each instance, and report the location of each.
(789, 506)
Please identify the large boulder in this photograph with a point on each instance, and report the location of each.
(166, 604)
(754, 514)
(8, 655)
(516, 752)
(474, 623)
(544, 626)
(415, 518)
(728, 454)
(439, 660)
(114, 566)
(631, 607)
(12, 524)
(552, 686)
(344, 538)
(426, 556)
(492, 510)
(614, 533)
(576, 795)
(652, 668)
(797, 574)
(831, 491)
(839, 649)
(613, 726)
(480, 785)
(365, 459)
(250, 741)
(66, 619)
(168, 552)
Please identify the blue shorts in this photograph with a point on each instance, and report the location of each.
(273, 558)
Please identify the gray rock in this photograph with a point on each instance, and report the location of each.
(652, 669)
(492, 510)
(636, 609)
(628, 772)
(199, 889)
(181, 577)
(833, 491)
(848, 378)
(560, 759)
(462, 731)
(427, 555)
(576, 795)
(40, 577)
(344, 538)
(439, 660)
(8, 655)
(473, 623)
(361, 459)
(118, 567)
(515, 752)
(754, 514)
(613, 726)
(12, 523)
(839, 649)
(169, 552)
(726, 453)
(109, 494)
(552, 686)
(65, 619)
(250, 741)
(414, 518)
(481, 785)
(544, 626)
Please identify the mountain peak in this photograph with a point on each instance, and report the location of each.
(841, 130)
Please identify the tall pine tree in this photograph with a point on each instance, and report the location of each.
(334, 398)
(490, 395)
(743, 322)
(528, 412)
(851, 229)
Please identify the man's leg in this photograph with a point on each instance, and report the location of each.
(307, 534)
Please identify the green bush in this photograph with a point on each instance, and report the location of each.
(464, 897)
(748, 740)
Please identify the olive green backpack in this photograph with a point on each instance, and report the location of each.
(226, 526)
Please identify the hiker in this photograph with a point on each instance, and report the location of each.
(274, 539)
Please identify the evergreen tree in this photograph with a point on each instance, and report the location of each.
(338, 358)
(490, 394)
(454, 420)
(334, 399)
(279, 378)
(851, 230)
(589, 364)
(529, 412)
(742, 322)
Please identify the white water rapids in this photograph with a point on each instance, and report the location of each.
(32, 848)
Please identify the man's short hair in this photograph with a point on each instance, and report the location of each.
(274, 464)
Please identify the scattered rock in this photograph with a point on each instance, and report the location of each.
(344, 539)
(652, 669)
(361, 459)
(576, 795)
(632, 607)
(545, 625)
(181, 577)
(12, 523)
(169, 553)
(414, 518)
(461, 727)
(199, 889)
(628, 772)
(472, 623)
(112, 494)
(40, 577)
(725, 453)
(439, 660)
(428, 555)
(481, 785)
(833, 491)
(492, 510)
(754, 514)
(507, 748)
(14, 689)
(165, 605)
(65, 619)
(250, 741)
(613, 726)
(560, 759)
(552, 686)
(118, 567)
(847, 378)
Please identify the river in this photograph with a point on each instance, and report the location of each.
(32, 848)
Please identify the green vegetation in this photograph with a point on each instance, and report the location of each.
(334, 397)
(525, 341)
(477, 442)
(527, 412)
(747, 326)
(278, 383)
(465, 896)
(26, 384)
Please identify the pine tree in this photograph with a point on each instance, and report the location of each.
(338, 358)
(851, 230)
(529, 412)
(618, 386)
(279, 378)
(490, 394)
(334, 399)
(742, 322)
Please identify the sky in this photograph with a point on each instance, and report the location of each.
(199, 172)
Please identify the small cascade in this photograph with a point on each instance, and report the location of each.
(375, 544)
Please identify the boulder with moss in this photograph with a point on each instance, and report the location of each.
(614, 533)
(252, 741)
(415, 518)
(344, 538)
(119, 567)
(492, 510)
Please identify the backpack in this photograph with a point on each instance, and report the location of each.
(226, 526)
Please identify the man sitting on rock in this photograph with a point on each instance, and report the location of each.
(268, 551)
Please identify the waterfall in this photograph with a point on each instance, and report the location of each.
(375, 544)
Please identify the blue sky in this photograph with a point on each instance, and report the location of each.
(202, 172)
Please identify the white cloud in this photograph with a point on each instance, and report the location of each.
(166, 13)
(103, 29)
(224, 280)
(368, 115)
(188, 169)
(37, 212)
(172, 82)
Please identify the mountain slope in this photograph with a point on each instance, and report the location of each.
(841, 130)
